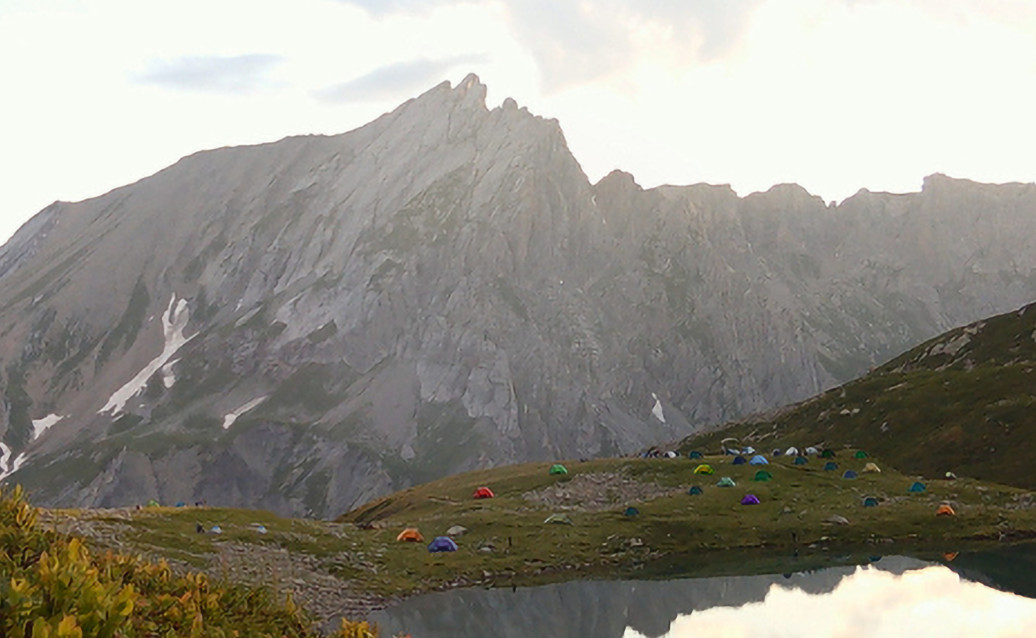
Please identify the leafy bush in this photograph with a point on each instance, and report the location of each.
(52, 586)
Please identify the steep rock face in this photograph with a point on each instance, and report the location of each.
(306, 324)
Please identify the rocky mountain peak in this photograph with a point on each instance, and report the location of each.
(306, 324)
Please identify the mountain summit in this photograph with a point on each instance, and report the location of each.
(306, 324)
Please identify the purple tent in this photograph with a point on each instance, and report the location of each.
(442, 544)
(750, 499)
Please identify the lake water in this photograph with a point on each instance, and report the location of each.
(984, 593)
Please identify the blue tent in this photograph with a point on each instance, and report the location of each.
(849, 474)
(442, 544)
(740, 460)
(830, 466)
(758, 459)
(800, 460)
(918, 486)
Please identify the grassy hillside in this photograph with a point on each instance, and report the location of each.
(355, 564)
(963, 402)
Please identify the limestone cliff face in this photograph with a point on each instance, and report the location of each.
(306, 324)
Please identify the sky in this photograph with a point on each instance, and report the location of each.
(835, 95)
(932, 601)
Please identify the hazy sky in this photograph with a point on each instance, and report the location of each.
(833, 94)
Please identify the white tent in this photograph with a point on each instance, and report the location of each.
(792, 451)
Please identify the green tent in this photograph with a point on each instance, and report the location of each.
(827, 454)
(560, 519)
(860, 454)
(762, 475)
(558, 468)
(726, 481)
(152, 503)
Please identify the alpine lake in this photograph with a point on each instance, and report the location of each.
(984, 589)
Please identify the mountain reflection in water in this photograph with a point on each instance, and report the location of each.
(896, 596)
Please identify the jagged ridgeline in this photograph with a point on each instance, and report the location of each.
(964, 402)
(304, 325)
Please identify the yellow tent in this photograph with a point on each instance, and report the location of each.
(704, 468)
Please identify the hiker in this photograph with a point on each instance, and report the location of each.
(198, 528)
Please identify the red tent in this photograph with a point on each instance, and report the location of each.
(483, 492)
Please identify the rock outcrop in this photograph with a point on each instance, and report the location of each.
(306, 324)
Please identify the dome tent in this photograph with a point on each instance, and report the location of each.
(442, 544)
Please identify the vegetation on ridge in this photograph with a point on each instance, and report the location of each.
(52, 585)
(963, 402)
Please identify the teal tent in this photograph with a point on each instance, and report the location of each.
(830, 466)
(631, 511)
(762, 475)
(918, 486)
(800, 460)
(695, 454)
(694, 491)
(870, 501)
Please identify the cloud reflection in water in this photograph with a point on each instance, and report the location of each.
(870, 602)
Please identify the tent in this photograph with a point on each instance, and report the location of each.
(670, 454)
(740, 460)
(860, 454)
(695, 490)
(704, 468)
(918, 486)
(216, 529)
(945, 510)
(871, 467)
(750, 499)
(483, 492)
(749, 450)
(758, 459)
(792, 451)
(695, 454)
(870, 501)
(811, 450)
(776, 452)
(181, 504)
(153, 503)
(442, 544)
(631, 511)
(800, 460)
(951, 475)
(410, 535)
(560, 519)
(849, 474)
(456, 530)
(726, 481)
(827, 454)
(830, 466)
(762, 475)
(558, 468)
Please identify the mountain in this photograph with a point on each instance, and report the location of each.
(306, 324)
(962, 402)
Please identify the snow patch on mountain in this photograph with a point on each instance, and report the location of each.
(39, 426)
(174, 320)
(657, 410)
(229, 419)
(18, 461)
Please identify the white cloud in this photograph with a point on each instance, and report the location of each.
(932, 601)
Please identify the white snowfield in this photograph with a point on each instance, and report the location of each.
(39, 426)
(229, 419)
(174, 320)
(5, 456)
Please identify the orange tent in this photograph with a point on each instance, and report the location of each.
(945, 510)
(410, 534)
(483, 492)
